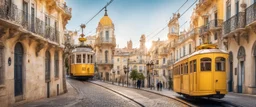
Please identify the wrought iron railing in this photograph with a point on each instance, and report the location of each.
(204, 29)
(235, 22)
(100, 40)
(29, 22)
(251, 14)
(216, 23)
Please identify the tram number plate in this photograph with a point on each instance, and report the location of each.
(83, 68)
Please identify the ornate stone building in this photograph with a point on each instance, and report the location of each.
(104, 46)
(31, 49)
(240, 41)
(135, 58)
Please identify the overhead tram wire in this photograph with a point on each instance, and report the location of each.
(162, 28)
(179, 17)
(97, 13)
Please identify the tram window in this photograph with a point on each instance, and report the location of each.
(206, 64)
(220, 64)
(84, 58)
(181, 71)
(91, 59)
(88, 56)
(186, 68)
(78, 58)
(194, 65)
(191, 67)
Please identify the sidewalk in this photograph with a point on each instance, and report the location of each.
(245, 100)
(57, 101)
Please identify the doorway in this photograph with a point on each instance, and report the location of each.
(230, 82)
(18, 70)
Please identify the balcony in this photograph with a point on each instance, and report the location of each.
(251, 15)
(64, 7)
(163, 52)
(204, 29)
(103, 41)
(234, 24)
(109, 62)
(170, 62)
(137, 62)
(202, 5)
(16, 18)
(215, 24)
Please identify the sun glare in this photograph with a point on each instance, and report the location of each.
(148, 45)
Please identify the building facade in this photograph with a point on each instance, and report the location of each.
(134, 58)
(104, 46)
(31, 49)
(239, 40)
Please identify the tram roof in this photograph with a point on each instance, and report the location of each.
(86, 48)
(203, 51)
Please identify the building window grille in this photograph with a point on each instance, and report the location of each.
(56, 61)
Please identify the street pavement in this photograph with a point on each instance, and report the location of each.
(105, 94)
(231, 99)
(84, 94)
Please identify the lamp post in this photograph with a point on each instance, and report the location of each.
(113, 76)
(126, 70)
(150, 66)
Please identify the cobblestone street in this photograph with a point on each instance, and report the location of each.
(98, 94)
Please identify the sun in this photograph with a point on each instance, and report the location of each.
(148, 45)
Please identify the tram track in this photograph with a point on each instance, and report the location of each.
(140, 104)
(177, 100)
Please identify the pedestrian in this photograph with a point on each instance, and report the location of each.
(157, 85)
(161, 86)
(139, 83)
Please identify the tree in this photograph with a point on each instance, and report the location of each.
(134, 75)
(140, 76)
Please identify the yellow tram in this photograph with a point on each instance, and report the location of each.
(82, 62)
(201, 74)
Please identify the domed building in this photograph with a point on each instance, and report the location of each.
(104, 46)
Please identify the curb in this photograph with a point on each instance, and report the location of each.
(181, 101)
(119, 94)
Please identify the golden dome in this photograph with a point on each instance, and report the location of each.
(105, 21)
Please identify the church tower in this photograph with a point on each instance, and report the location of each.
(129, 45)
(142, 43)
(174, 27)
(104, 46)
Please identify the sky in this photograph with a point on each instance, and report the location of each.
(131, 18)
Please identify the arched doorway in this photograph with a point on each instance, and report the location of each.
(230, 82)
(241, 69)
(47, 72)
(18, 70)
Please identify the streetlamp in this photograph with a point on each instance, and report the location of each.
(126, 70)
(113, 76)
(150, 66)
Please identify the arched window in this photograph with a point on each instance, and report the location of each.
(107, 36)
(220, 63)
(56, 63)
(206, 64)
(106, 56)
